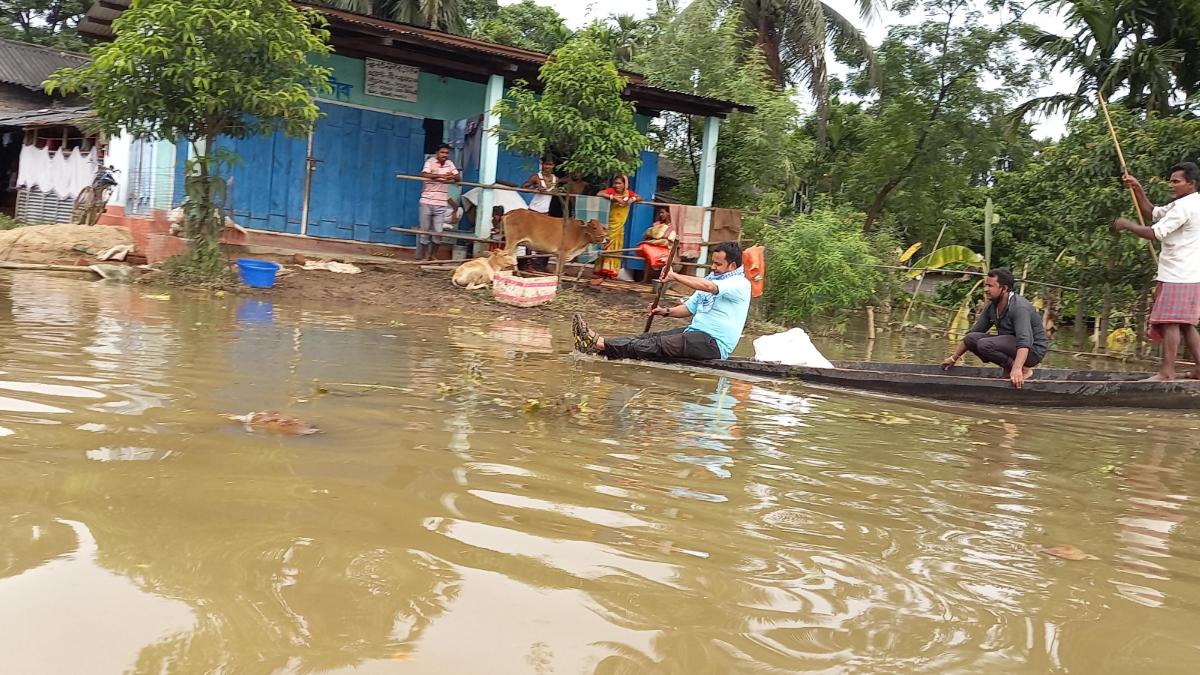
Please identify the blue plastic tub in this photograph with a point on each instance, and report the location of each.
(257, 273)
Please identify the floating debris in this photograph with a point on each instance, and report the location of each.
(1067, 552)
(271, 422)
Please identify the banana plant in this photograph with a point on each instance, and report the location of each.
(912, 250)
(945, 256)
(961, 322)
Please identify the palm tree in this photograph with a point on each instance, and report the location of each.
(1138, 52)
(794, 36)
(444, 15)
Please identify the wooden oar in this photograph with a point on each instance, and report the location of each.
(1112, 130)
(662, 284)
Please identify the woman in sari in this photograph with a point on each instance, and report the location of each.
(622, 199)
(656, 244)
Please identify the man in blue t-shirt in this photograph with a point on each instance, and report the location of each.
(718, 310)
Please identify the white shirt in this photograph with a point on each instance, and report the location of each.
(541, 203)
(1177, 226)
(511, 201)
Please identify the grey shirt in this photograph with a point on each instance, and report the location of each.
(1019, 319)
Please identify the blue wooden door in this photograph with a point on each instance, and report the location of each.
(355, 194)
(645, 183)
(267, 188)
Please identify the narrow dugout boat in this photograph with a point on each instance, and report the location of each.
(1048, 388)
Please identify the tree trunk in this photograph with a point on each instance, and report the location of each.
(768, 42)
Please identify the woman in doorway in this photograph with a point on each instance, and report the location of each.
(622, 199)
(545, 181)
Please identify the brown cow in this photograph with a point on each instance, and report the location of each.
(544, 233)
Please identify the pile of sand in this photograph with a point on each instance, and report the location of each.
(60, 244)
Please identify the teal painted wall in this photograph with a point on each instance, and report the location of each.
(443, 98)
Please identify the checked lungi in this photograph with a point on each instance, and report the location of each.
(1174, 303)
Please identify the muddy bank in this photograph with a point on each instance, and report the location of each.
(409, 289)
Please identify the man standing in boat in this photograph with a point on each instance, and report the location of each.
(1020, 342)
(718, 310)
(1177, 295)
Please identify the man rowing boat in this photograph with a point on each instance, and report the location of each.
(1020, 342)
(1177, 295)
(718, 309)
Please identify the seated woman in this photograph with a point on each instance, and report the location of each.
(656, 244)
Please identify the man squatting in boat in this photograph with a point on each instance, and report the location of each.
(1020, 342)
(1177, 295)
(718, 308)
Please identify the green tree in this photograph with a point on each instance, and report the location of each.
(580, 116)
(1057, 211)
(937, 126)
(759, 156)
(1138, 52)
(527, 25)
(475, 12)
(44, 22)
(443, 15)
(819, 262)
(795, 36)
(200, 70)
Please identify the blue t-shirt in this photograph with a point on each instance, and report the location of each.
(727, 318)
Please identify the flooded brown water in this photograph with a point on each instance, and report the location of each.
(482, 502)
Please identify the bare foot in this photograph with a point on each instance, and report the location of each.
(1159, 377)
(1194, 375)
(1028, 373)
(597, 281)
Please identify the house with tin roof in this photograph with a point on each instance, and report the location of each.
(398, 91)
(40, 133)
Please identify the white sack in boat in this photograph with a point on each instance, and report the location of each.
(791, 348)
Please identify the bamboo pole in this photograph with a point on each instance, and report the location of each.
(870, 323)
(662, 283)
(497, 186)
(1112, 130)
(917, 291)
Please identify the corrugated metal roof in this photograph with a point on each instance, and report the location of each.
(391, 28)
(29, 65)
(46, 117)
(100, 16)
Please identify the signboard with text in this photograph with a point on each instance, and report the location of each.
(391, 80)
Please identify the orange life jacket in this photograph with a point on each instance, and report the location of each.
(755, 269)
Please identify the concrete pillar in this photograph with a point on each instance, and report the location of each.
(708, 174)
(489, 155)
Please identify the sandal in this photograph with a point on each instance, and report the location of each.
(585, 338)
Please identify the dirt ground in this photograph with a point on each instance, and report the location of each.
(59, 244)
(411, 289)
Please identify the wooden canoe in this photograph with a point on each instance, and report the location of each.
(1048, 388)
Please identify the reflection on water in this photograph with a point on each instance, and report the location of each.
(480, 501)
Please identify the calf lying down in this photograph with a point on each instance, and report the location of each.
(478, 273)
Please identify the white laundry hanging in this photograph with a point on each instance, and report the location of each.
(63, 173)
